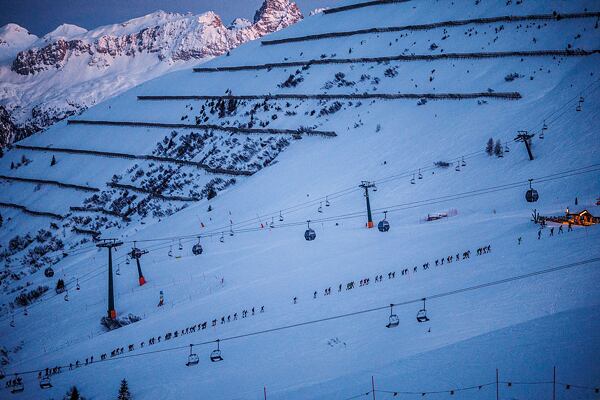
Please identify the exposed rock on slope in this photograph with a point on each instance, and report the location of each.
(111, 59)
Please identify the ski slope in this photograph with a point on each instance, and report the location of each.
(487, 312)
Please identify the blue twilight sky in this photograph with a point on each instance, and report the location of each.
(43, 16)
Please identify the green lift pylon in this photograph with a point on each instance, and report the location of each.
(110, 244)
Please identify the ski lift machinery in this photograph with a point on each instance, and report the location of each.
(215, 355)
(383, 225)
(393, 320)
(45, 382)
(422, 314)
(309, 234)
(193, 358)
(531, 195)
(197, 248)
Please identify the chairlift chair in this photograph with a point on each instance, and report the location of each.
(463, 162)
(18, 387)
(170, 253)
(66, 296)
(180, 245)
(320, 209)
(215, 356)
(531, 195)
(222, 238)
(394, 321)
(77, 287)
(280, 217)
(422, 314)
(118, 271)
(12, 321)
(49, 272)
(45, 382)
(25, 313)
(193, 358)
(412, 181)
(309, 234)
(327, 204)
(383, 225)
(272, 223)
(197, 248)
(506, 148)
(420, 174)
(457, 168)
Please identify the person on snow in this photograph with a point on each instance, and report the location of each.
(539, 234)
(570, 227)
(519, 240)
(560, 229)
(552, 231)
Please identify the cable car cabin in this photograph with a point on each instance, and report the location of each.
(310, 234)
(532, 196)
(45, 383)
(383, 226)
(197, 249)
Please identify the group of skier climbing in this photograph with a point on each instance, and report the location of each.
(404, 272)
(167, 336)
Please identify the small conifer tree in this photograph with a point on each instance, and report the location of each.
(489, 148)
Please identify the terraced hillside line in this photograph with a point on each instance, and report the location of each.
(405, 58)
(82, 231)
(31, 212)
(126, 156)
(357, 96)
(434, 25)
(362, 5)
(49, 182)
(231, 129)
(152, 194)
(98, 210)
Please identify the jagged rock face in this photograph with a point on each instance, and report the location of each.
(179, 39)
(172, 39)
(8, 129)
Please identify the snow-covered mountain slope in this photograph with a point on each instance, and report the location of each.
(238, 156)
(70, 69)
(13, 39)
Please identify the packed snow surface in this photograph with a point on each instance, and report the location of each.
(477, 266)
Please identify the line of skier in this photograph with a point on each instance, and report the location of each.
(404, 272)
(167, 336)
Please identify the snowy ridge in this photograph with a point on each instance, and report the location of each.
(299, 319)
(108, 60)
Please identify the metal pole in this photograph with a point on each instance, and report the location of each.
(369, 216)
(373, 386)
(265, 391)
(111, 300)
(141, 277)
(528, 148)
(554, 384)
(497, 386)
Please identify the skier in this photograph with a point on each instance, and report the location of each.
(539, 234)
(552, 231)
(560, 229)
(295, 300)
(519, 240)
(340, 288)
(570, 227)
(262, 309)
(314, 296)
